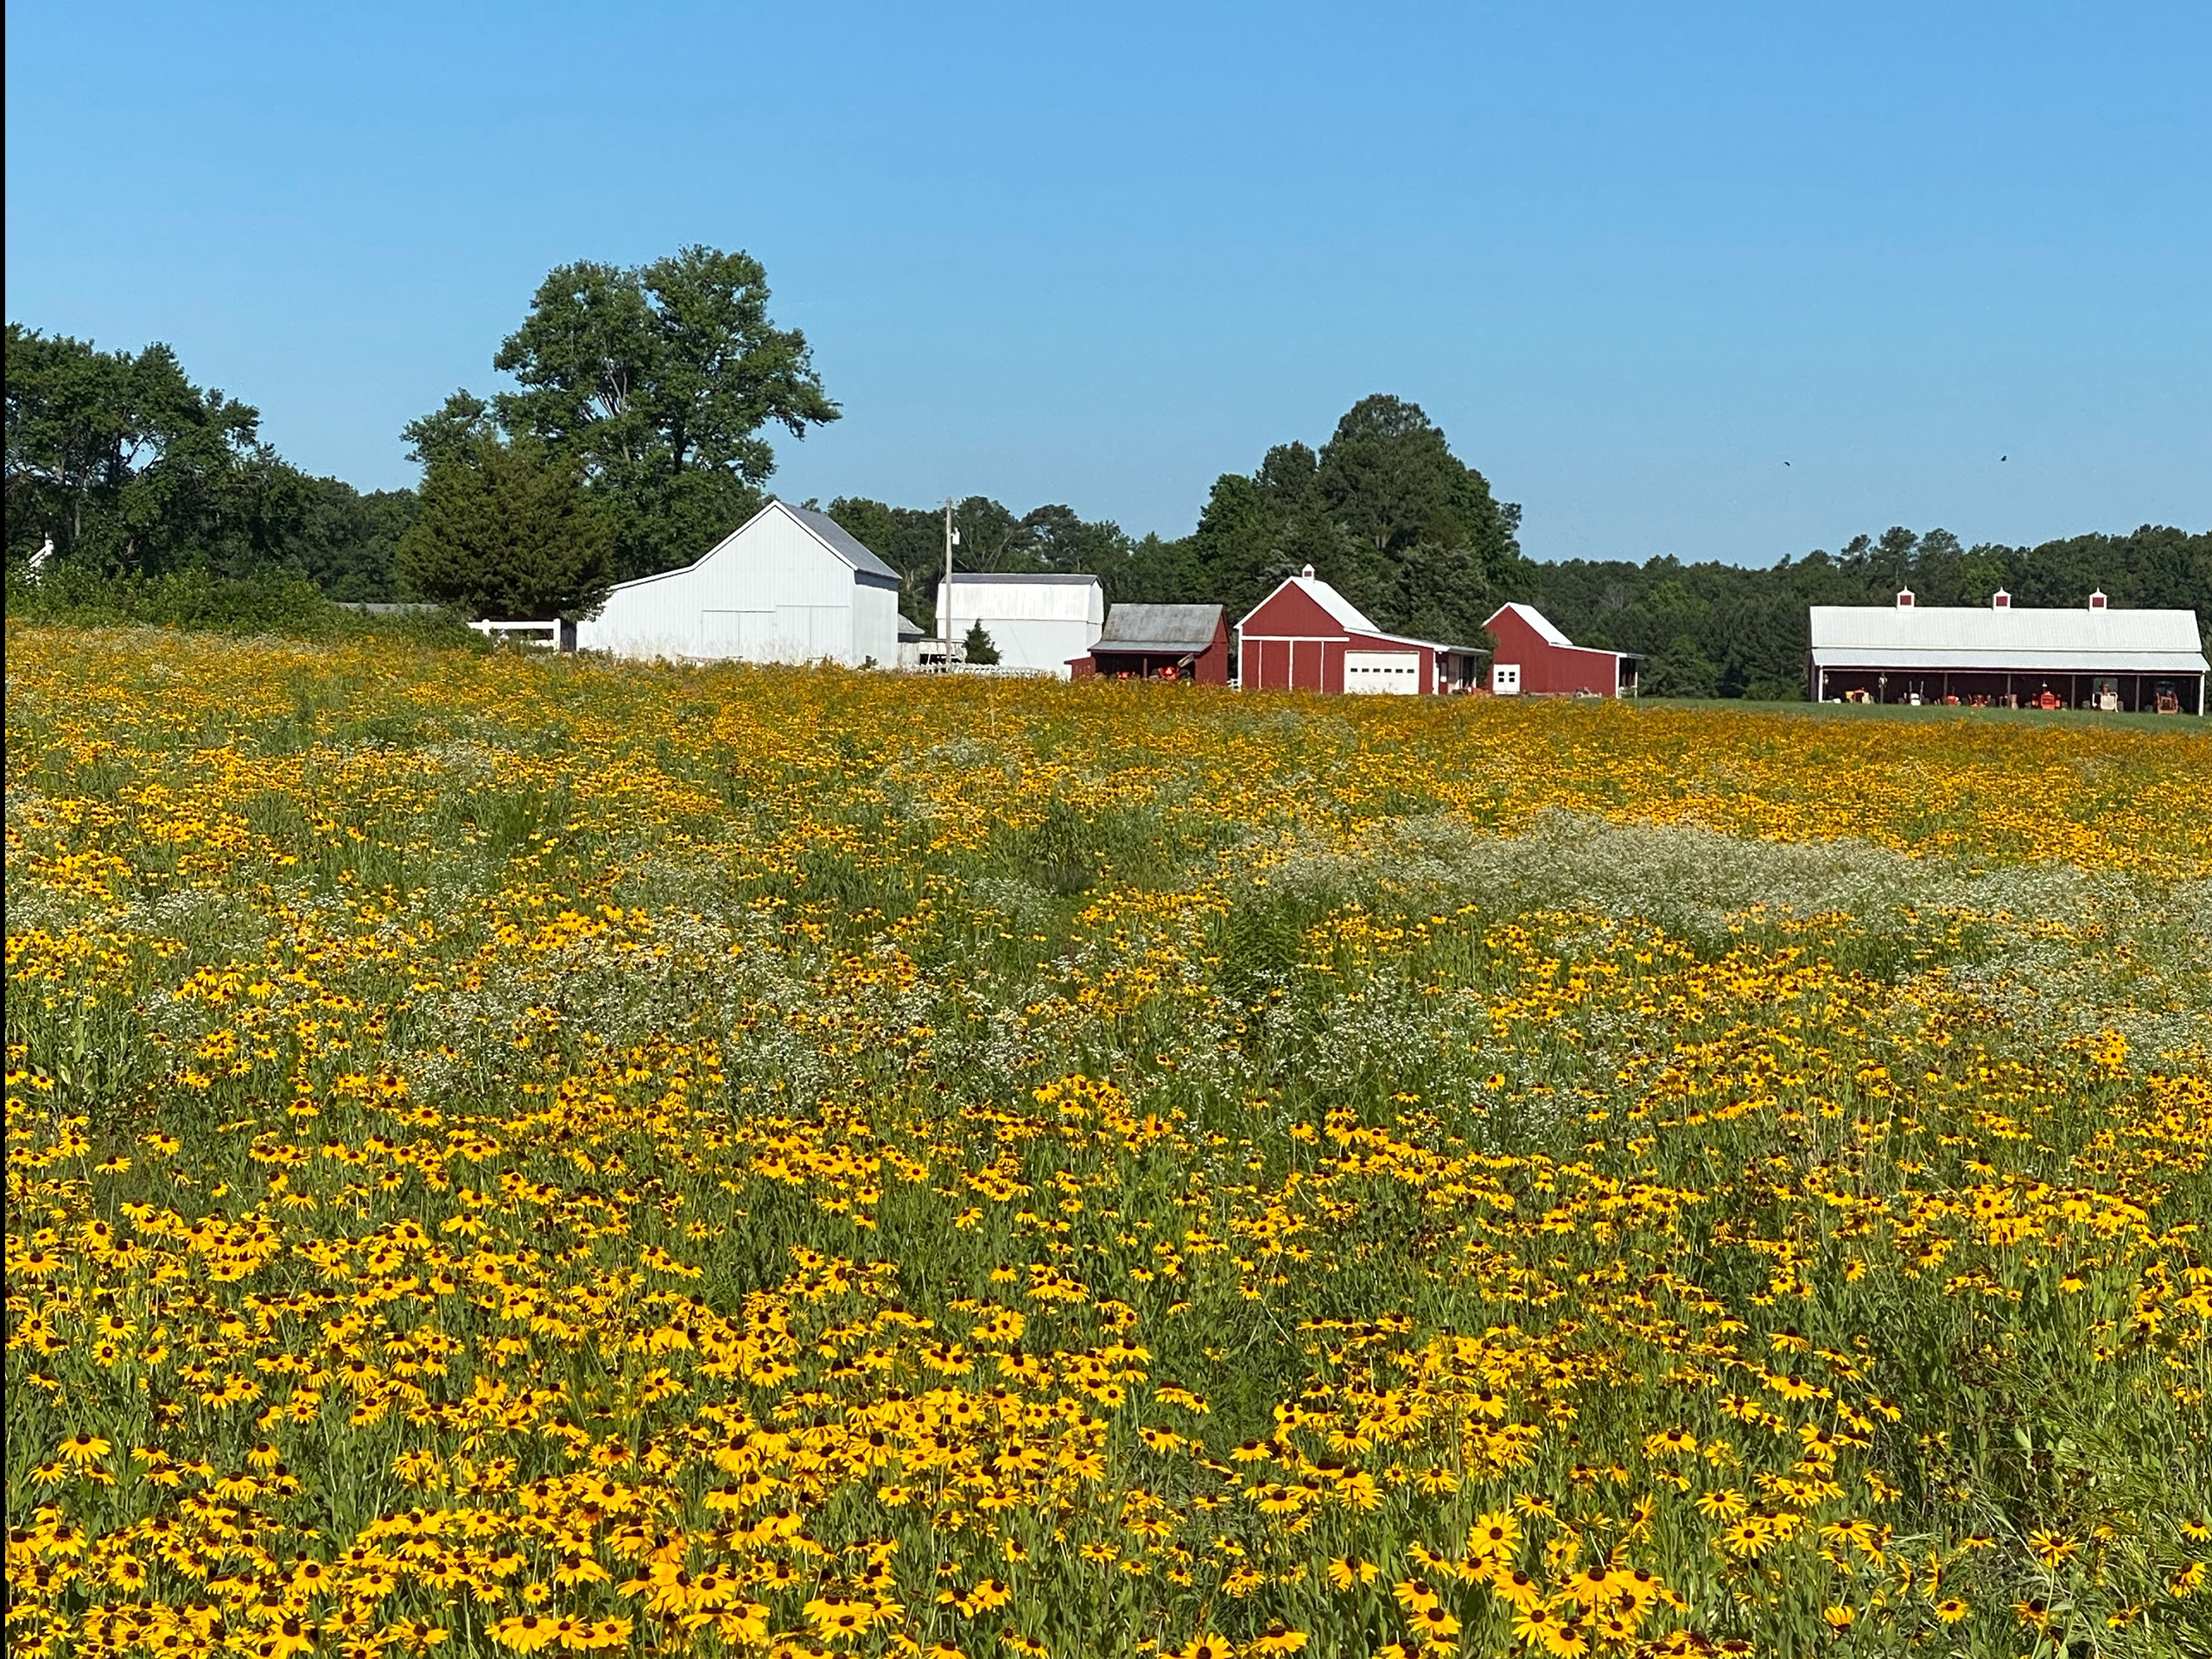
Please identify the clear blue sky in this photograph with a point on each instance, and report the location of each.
(1632, 257)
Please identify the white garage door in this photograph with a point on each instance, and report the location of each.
(1387, 672)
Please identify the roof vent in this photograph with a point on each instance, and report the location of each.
(2097, 599)
(1905, 598)
(2000, 600)
(1307, 573)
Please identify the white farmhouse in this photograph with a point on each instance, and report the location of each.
(1038, 622)
(789, 585)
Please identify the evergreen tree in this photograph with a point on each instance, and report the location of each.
(979, 646)
(1681, 669)
(509, 531)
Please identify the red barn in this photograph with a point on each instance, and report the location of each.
(1535, 659)
(1187, 644)
(1305, 636)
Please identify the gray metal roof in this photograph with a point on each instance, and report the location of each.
(840, 541)
(1160, 628)
(910, 629)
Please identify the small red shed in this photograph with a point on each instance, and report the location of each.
(1535, 659)
(1305, 636)
(1187, 645)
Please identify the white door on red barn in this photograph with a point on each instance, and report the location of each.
(1505, 679)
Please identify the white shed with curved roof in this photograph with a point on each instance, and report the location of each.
(789, 585)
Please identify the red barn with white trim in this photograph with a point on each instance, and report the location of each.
(1535, 659)
(1305, 636)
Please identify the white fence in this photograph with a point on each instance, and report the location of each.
(984, 671)
(556, 633)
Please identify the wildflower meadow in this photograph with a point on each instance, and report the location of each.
(516, 1155)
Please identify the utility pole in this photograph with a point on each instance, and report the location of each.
(944, 607)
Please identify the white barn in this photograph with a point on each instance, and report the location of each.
(2007, 656)
(1038, 622)
(789, 585)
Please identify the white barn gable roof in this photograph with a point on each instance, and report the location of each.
(1975, 627)
(822, 527)
(1546, 629)
(1345, 614)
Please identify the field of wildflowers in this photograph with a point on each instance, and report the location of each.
(515, 1155)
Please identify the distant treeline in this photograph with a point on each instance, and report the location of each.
(1417, 541)
(635, 441)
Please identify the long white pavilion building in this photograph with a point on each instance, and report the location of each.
(2008, 655)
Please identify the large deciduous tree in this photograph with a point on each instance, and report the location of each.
(658, 381)
(454, 428)
(508, 531)
(126, 464)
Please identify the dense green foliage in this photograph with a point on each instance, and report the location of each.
(129, 469)
(657, 381)
(351, 546)
(652, 384)
(1384, 509)
(281, 602)
(509, 530)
